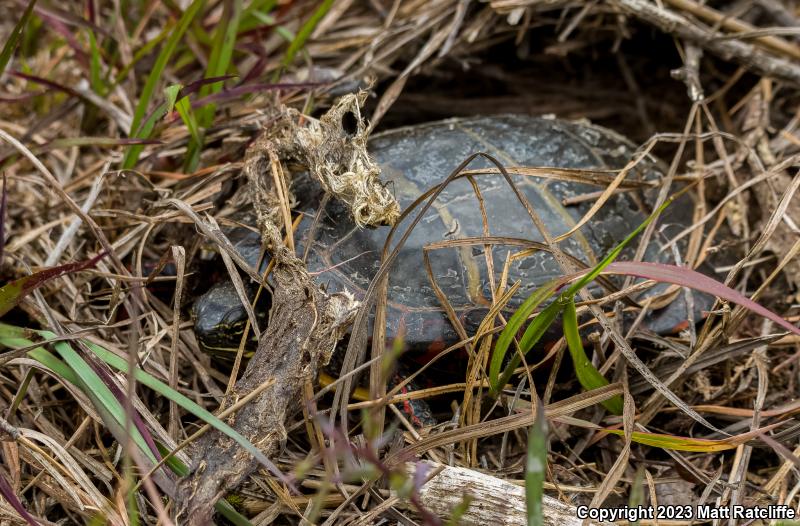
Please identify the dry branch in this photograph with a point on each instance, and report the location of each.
(305, 325)
(746, 54)
(735, 25)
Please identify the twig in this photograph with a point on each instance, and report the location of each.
(179, 256)
(72, 229)
(690, 72)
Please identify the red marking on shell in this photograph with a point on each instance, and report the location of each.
(682, 326)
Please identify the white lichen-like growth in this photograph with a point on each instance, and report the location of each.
(335, 151)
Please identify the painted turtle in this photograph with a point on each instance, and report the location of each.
(412, 160)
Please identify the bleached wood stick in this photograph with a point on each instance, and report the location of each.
(494, 500)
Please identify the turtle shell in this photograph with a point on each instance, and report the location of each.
(413, 159)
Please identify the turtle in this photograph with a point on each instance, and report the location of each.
(414, 159)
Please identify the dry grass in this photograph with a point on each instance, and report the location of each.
(731, 126)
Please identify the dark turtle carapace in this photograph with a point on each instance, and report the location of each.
(416, 158)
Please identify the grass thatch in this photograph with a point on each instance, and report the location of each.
(112, 143)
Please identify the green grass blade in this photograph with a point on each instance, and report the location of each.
(588, 376)
(83, 375)
(536, 468)
(305, 31)
(695, 445)
(95, 69)
(75, 370)
(184, 109)
(14, 338)
(171, 93)
(220, 59)
(164, 390)
(227, 510)
(49, 360)
(102, 397)
(222, 46)
(132, 155)
(147, 127)
(512, 328)
(533, 333)
(542, 322)
(539, 326)
(615, 252)
(13, 38)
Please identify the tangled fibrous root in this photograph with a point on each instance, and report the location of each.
(334, 150)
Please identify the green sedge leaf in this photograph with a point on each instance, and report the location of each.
(701, 445)
(163, 389)
(95, 69)
(542, 322)
(102, 397)
(616, 251)
(305, 31)
(533, 333)
(224, 41)
(184, 108)
(171, 92)
(13, 38)
(512, 328)
(137, 129)
(536, 468)
(588, 376)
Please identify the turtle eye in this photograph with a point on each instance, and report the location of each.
(350, 124)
